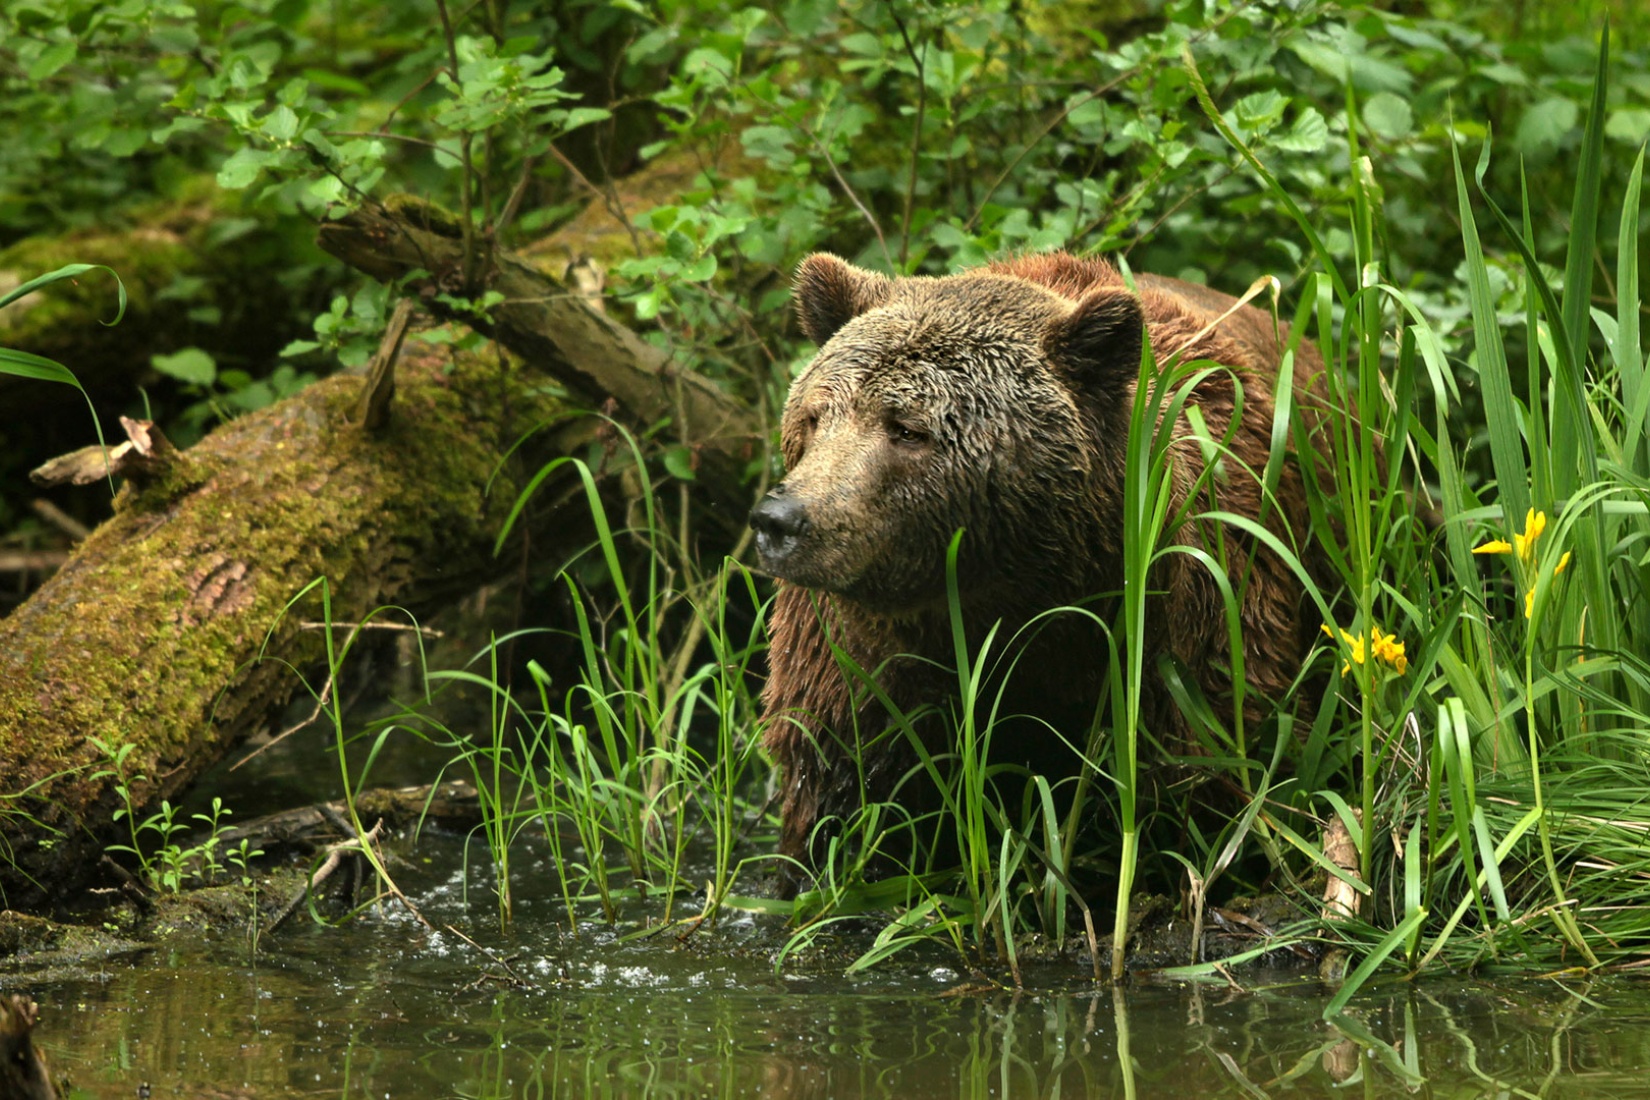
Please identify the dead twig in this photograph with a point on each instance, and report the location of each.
(509, 974)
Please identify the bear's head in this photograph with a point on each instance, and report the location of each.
(979, 401)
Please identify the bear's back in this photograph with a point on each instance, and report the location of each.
(1176, 312)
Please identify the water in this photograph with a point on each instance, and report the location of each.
(385, 1008)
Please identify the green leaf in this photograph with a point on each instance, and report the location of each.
(701, 269)
(1374, 74)
(1500, 410)
(680, 247)
(51, 59)
(708, 65)
(336, 82)
(1331, 63)
(1388, 115)
(25, 364)
(584, 116)
(1372, 962)
(67, 271)
(771, 143)
(1627, 347)
(1630, 124)
(678, 462)
(123, 143)
(240, 170)
(1259, 110)
(1578, 281)
(1308, 135)
(281, 123)
(1503, 73)
(189, 365)
(1545, 124)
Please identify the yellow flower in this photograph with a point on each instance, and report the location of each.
(1534, 523)
(1522, 544)
(1529, 597)
(1356, 646)
(1389, 649)
(1385, 647)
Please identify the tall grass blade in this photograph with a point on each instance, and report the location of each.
(24, 364)
(1501, 411)
(69, 271)
(1568, 362)
(1578, 266)
(1627, 349)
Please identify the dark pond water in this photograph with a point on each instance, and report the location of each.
(385, 1008)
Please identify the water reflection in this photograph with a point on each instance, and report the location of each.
(377, 1013)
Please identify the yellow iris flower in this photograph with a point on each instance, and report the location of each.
(1386, 647)
(1523, 548)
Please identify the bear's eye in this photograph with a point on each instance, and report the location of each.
(904, 433)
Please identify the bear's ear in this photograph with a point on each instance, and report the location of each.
(830, 292)
(1098, 342)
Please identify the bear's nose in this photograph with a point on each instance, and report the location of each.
(779, 521)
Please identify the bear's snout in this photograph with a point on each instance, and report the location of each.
(779, 521)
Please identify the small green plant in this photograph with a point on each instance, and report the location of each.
(240, 858)
(166, 864)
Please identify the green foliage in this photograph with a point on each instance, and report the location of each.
(220, 394)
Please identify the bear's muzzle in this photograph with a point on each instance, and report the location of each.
(779, 521)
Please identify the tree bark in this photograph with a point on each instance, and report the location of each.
(173, 627)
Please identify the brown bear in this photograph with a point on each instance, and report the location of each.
(998, 401)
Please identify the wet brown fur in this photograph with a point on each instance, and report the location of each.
(1021, 377)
